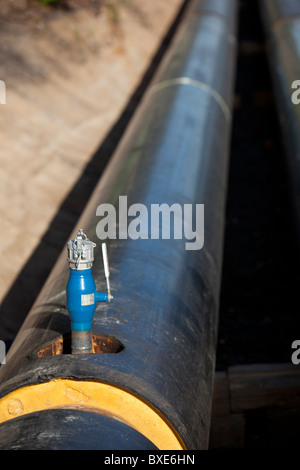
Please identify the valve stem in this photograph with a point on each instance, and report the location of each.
(81, 342)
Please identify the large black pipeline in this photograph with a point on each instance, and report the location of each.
(150, 384)
(281, 20)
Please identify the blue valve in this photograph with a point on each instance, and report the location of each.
(82, 295)
(81, 298)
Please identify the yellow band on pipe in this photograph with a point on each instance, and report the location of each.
(96, 397)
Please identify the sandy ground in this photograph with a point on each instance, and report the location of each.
(69, 73)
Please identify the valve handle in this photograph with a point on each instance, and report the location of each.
(106, 270)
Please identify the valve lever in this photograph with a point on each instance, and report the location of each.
(106, 270)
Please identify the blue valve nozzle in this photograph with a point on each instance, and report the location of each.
(82, 295)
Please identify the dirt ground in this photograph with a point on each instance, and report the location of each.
(70, 72)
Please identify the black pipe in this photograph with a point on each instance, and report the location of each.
(281, 20)
(164, 317)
